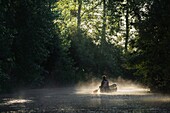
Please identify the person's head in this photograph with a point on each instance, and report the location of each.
(104, 77)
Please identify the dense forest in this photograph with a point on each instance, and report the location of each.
(61, 42)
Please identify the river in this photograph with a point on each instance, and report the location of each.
(78, 100)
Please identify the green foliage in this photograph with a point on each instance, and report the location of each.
(26, 41)
(153, 45)
(32, 41)
(59, 64)
(4, 84)
(91, 58)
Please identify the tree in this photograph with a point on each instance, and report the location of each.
(7, 35)
(153, 45)
(127, 25)
(27, 39)
(93, 33)
(79, 15)
(103, 36)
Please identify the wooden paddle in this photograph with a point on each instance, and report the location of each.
(95, 91)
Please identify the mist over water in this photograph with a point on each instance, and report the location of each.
(125, 87)
(130, 96)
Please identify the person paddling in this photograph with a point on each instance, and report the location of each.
(104, 84)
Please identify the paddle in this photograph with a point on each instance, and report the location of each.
(95, 91)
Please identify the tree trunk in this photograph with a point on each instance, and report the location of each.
(79, 15)
(127, 26)
(104, 22)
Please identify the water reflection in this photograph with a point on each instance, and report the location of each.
(15, 101)
(128, 100)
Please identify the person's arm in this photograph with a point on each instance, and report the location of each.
(107, 83)
(102, 83)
